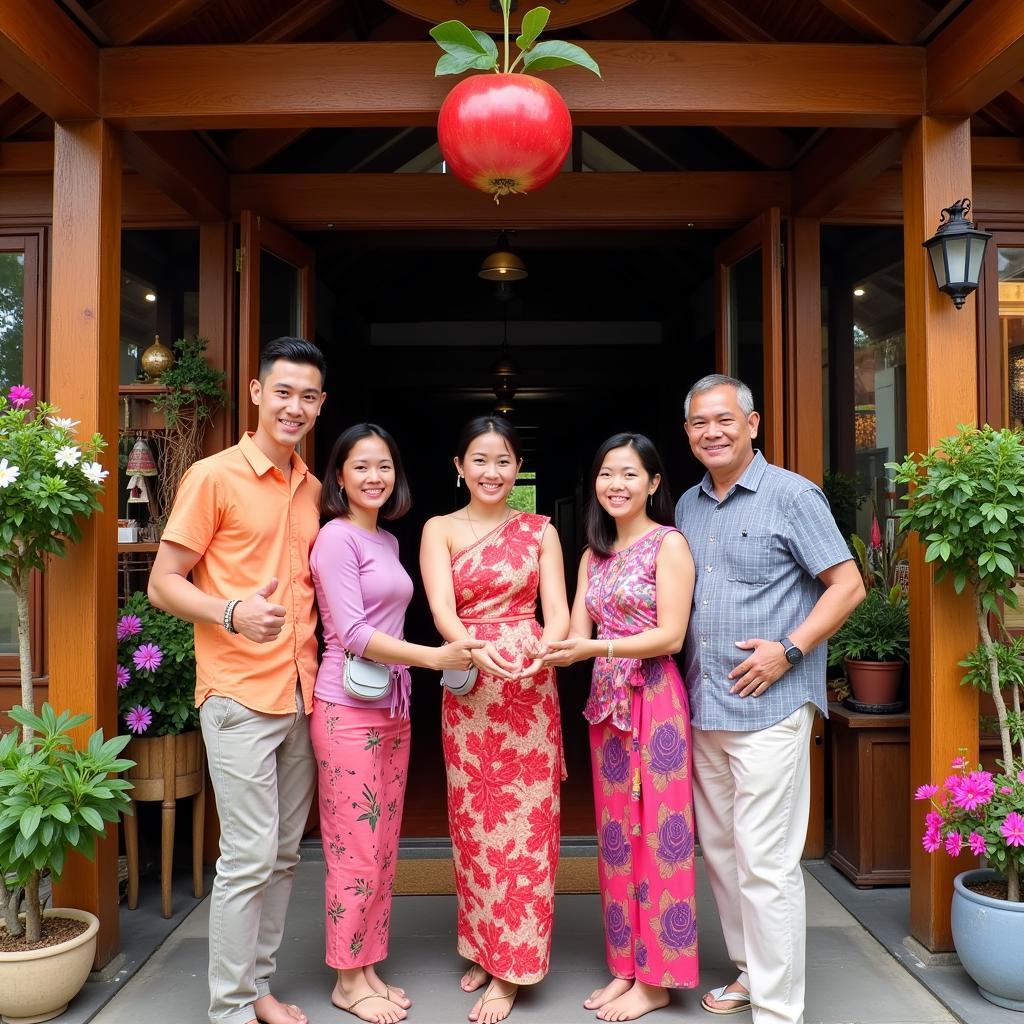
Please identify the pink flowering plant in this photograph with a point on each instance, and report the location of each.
(50, 480)
(977, 812)
(156, 670)
(966, 503)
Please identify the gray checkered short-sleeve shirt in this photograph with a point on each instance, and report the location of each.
(758, 553)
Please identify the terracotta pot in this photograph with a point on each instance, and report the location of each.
(38, 984)
(874, 682)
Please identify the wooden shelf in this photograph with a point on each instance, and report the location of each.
(142, 389)
(140, 548)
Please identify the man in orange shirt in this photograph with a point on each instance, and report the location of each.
(243, 524)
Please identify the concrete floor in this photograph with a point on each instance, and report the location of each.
(851, 977)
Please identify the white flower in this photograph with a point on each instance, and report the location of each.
(68, 455)
(8, 474)
(62, 422)
(94, 472)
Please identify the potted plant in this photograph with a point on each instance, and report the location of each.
(49, 481)
(505, 132)
(966, 501)
(195, 391)
(156, 683)
(872, 646)
(55, 798)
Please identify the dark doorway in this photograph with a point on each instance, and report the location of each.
(606, 334)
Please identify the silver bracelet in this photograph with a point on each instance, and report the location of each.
(229, 614)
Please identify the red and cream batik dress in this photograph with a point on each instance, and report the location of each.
(503, 754)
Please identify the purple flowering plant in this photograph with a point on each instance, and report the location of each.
(965, 500)
(156, 670)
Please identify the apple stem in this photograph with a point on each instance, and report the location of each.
(504, 14)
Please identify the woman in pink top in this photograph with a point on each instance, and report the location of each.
(362, 748)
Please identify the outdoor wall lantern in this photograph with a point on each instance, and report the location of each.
(503, 264)
(957, 251)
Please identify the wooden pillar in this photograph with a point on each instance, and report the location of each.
(805, 433)
(83, 362)
(941, 348)
(216, 305)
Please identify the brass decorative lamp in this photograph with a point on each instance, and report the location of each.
(157, 359)
(503, 264)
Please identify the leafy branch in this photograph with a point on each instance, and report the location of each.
(467, 49)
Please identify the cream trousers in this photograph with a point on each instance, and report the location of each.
(262, 769)
(751, 794)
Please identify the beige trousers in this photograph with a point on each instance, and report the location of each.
(263, 770)
(751, 794)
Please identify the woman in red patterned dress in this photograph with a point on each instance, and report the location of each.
(484, 567)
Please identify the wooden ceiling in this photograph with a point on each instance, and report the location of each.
(808, 152)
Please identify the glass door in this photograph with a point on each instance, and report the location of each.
(748, 321)
(276, 296)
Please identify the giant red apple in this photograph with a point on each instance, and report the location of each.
(504, 133)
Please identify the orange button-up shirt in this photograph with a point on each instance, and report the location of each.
(248, 524)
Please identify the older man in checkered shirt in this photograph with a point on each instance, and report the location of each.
(775, 579)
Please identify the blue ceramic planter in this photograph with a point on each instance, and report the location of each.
(989, 938)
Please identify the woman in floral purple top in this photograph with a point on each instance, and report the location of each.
(636, 585)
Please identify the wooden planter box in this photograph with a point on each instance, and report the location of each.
(168, 767)
(870, 796)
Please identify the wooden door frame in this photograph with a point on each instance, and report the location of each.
(763, 233)
(258, 233)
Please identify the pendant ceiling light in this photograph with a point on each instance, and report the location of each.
(503, 264)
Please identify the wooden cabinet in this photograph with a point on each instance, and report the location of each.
(870, 796)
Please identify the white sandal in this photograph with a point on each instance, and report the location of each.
(719, 995)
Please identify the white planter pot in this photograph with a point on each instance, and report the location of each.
(38, 984)
(989, 938)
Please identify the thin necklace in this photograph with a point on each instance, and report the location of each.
(508, 516)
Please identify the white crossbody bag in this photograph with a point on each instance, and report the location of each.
(364, 679)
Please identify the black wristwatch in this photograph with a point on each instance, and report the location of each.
(793, 653)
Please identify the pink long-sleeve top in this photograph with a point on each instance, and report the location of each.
(361, 587)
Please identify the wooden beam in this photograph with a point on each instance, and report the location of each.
(128, 21)
(294, 21)
(841, 164)
(995, 154)
(976, 57)
(157, 88)
(997, 195)
(48, 59)
(941, 347)
(483, 14)
(28, 199)
(251, 149)
(594, 200)
(767, 146)
(21, 115)
(83, 361)
(183, 168)
(732, 23)
(900, 22)
(26, 158)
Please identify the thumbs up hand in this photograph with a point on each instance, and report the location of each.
(256, 618)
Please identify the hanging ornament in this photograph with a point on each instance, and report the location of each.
(140, 465)
(505, 132)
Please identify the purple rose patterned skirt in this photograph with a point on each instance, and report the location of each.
(644, 806)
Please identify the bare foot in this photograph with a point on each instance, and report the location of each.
(725, 1005)
(640, 999)
(496, 1002)
(392, 992)
(270, 1010)
(615, 988)
(476, 977)
(362, 1002)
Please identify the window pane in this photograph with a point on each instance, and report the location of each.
(12, 318)
(12, 322)
(1011, 326)
(280, 290)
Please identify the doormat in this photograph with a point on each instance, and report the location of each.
(434, 876)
